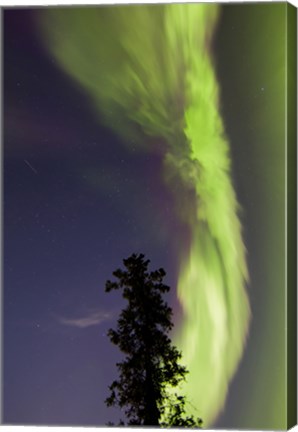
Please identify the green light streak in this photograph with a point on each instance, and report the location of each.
(151, 66)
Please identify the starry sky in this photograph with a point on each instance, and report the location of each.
(76, 202)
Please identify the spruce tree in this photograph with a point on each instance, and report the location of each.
(150, 372)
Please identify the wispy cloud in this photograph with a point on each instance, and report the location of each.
(92, 319)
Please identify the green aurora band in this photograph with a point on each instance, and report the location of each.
(148, 71)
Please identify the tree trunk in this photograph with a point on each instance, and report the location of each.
(151, 410)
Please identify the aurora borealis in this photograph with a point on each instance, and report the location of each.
(140, 88)
(150, 157)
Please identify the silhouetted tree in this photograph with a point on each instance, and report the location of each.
(150, 371)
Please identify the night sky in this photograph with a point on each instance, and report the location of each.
(77, 201)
